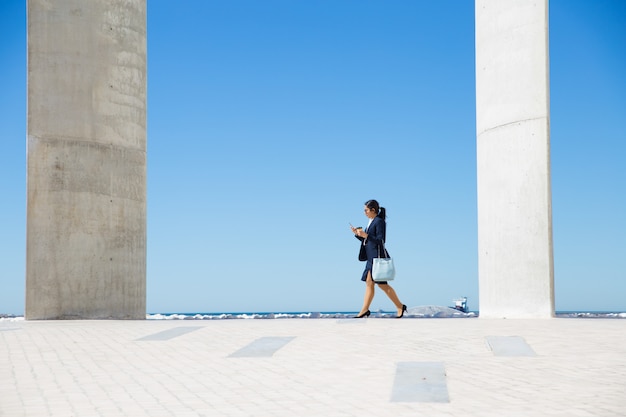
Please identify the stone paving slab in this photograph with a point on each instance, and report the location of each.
(316, 367)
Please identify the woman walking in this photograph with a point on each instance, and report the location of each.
(372, 241)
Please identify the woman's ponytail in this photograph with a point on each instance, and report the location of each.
(383, 213)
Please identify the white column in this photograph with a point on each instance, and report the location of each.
(86, 220)
(516, 274)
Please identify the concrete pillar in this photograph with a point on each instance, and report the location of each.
(516, 275)
(86, 220)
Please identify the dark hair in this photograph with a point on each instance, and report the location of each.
(373, 204)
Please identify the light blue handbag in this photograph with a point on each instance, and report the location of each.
(383, 268)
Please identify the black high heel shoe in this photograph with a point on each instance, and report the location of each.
(366, 314)
(403, 310)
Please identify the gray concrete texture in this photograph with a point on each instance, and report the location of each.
(515, 261)
(86, 219)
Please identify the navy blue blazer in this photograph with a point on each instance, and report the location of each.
(372, 247)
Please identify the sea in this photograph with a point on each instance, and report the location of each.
(419, 312)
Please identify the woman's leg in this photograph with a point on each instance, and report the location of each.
(391, 293)
(369, 293)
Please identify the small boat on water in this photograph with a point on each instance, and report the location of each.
(461, 304)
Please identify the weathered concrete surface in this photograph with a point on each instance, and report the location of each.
(513, 159)
(86, 220)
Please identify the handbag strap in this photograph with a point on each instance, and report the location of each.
(384, 249)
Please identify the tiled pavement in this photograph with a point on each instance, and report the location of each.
(314, 367)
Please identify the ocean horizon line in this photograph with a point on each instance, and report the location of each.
(414, 312)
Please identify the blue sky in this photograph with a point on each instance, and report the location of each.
(271, 122)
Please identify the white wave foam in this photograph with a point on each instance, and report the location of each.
(12, 318)
(414, 312)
